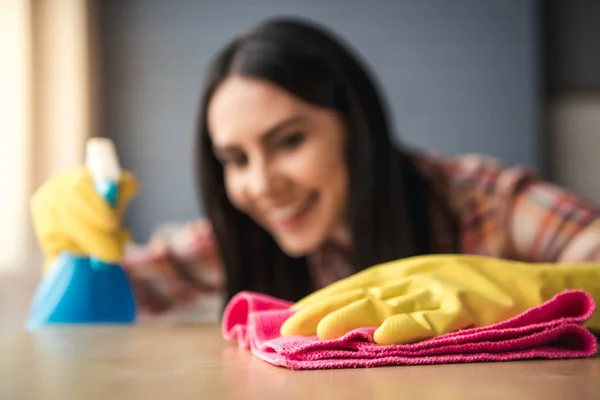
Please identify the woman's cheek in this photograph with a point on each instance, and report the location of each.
(234, 189)
(311, 165)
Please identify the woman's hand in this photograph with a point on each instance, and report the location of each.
(421, 297)
(175, 268)
(69, 216)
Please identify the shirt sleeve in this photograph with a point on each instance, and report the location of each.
(549, 224)
(479, 191)
(175, 267)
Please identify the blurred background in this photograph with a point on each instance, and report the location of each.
(515, 79)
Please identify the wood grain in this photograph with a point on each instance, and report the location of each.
(193, 362)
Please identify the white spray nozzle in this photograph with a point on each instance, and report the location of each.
(101, 159)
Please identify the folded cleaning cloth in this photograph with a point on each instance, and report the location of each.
(552, 330)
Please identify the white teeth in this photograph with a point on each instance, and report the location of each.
(288, 212)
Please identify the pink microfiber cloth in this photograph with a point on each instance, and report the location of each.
(551, 331)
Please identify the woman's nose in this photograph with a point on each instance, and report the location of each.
(259, 180)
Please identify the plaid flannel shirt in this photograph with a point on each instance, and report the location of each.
(496, 211)
(510, 213)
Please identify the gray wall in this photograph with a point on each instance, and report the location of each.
(461, 76)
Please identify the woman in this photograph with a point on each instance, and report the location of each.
(303, 185)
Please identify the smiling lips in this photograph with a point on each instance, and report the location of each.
(290, 216)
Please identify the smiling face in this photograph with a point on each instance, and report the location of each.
(283, 162)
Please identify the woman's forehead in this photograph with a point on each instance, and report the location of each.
(244, 107)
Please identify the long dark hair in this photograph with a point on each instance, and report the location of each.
(387, 197)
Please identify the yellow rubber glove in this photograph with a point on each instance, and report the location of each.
(69, 215)
(421, 297)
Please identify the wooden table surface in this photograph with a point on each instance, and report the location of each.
(168, 363)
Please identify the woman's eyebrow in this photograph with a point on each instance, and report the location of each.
(281, 126)
(226, 151)
(266, 137)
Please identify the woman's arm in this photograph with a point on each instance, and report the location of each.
(549, 224)
(175, 268)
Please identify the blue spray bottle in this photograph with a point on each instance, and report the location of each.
(86, 290)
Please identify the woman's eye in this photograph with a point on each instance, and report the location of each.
(239, 161)
(235, 161)
(292, 141)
